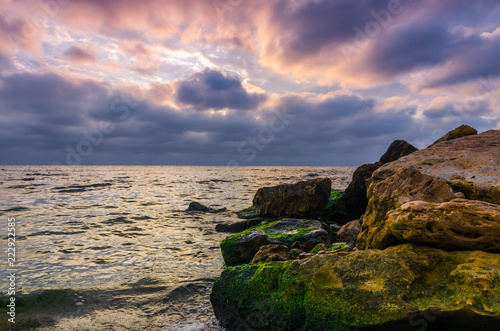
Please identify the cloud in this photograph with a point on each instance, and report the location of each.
(79, 54)
(213, 89)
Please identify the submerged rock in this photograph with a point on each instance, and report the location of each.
(307, 199)
(393, 289)
(196, 206)
(241, 248)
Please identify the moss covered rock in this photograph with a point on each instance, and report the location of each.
(401, 288)
(196, 206)
(241, 248)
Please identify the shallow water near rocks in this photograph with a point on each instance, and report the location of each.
(112, 247)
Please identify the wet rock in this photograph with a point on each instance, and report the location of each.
(397, 149)
(461, 131)
(196, 206)
(241, 248)
(238, 226)
(247, 213)
(372, 289)
(271, 253)
(456, 225)
(307, 199)
(349, 233)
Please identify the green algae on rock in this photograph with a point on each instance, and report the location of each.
(372, 289)
(241, 248)
(196, 206)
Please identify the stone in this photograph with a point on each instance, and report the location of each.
(241, 248)
(354, 198)
(467, 167)
(398, 288)
(196, 206)
(271, 253)
(461, 131)
(349, 233)
(246, 213)
(306, 199)
(335, 211)
(455, 225)
(386, 194)
(238, 226)
(396, 150)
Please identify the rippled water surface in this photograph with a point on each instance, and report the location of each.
(112, 247)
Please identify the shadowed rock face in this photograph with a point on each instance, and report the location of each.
(461, 131)
(384, 290)
(307, 199)
(355, 195)
(467, 167)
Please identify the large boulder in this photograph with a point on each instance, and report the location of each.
(307, 199)
(396, 150)
(453, 225)
(241, 248)
(400, 288)
(467, 167)
(461, 131)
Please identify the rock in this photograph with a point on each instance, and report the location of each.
(394, 289)
(335, 210)
(196, 206)
(455, 225)
(241, 248)
(238, 226)
(271, 253)
(354, 198)
(386, 194)
(307, 199)
(461, 131)
(349, 233)
(466, 167)
(247, 213)
(397, 149)
(355, 195)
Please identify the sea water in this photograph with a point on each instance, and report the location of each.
(113, 248)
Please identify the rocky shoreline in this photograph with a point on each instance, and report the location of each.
(412, 244)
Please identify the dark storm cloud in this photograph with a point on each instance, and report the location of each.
(212, 89)
(413, 47)
(156, 134)
(479, 60)
(310, 25)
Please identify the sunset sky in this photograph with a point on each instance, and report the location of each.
(241, 82)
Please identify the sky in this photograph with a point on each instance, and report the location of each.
(241, 82)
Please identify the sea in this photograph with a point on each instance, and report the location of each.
(113, 247)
